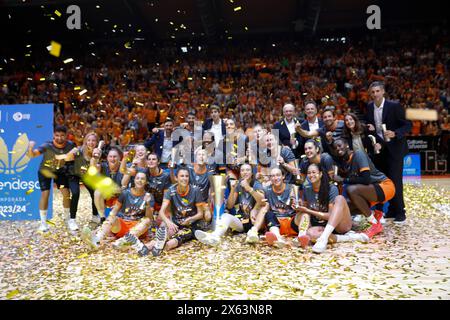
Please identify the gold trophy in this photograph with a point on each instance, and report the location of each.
(172, 157)
(298, 177)
(383, 126)
(296, 196)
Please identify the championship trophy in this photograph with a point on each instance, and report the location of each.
(383, 126)
(298, 177)
(296, 195)
(218, 184)
(173, 154)
(374, 142)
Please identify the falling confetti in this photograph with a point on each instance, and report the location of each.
(29, 191)
(12, 294)
(55, 48)
(68, 60)
(408, 262)
(237, 8)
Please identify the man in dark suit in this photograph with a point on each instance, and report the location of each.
(286, 129)
(312, 122)
(386, 120)
(215, 124)
(161, 143)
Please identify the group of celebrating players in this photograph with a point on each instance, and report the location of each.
(272, 190)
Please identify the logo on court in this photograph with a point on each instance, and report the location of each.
(12, 162)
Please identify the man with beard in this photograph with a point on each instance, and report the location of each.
(53, 166)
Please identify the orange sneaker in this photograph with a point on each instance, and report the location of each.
(303, 240)
(271, 238)
(374, 230)
(378, 215)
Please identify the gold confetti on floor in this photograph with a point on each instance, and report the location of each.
(408, 262)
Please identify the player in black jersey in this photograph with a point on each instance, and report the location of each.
(247, 195)
(78, 168)
(313, 155)
(130, 218)
(327, 212)
(53, 166)
(185, 210)
(138, 164)
(366, 185)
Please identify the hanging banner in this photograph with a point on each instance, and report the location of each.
(19, 185)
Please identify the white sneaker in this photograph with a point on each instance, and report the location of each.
(43, 227)
(72, 224)
(213, 240)
(280, 244)
(121, 243)
(320, 246)
(252, 236)
(358, 236)
(201, 236)
(95, 219)
(89, 238)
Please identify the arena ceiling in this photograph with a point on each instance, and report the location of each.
(204, 19)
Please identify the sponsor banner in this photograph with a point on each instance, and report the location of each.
(411, 165)
(19, 185)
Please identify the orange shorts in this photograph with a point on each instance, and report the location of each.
(111, 202)
(125, 227)
(286, 227)
(388, 188)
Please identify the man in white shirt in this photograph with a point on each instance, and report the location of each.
(215, 124)
(286, 128)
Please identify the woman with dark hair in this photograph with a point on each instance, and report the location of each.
(313, 155)
(328, 212)
(129, 219)
(358, 136)
(366, 185)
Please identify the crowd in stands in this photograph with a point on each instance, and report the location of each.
(129, 93)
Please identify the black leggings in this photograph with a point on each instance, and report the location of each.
(74, 185)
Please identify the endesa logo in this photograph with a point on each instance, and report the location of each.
(19, 185)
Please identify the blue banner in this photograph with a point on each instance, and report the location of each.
(19, 185)
(411, 165)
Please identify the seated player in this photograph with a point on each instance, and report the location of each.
(129, 219)
(247, 194)
(139, 164)
(366, 186)
(53, 166)
(313, 155)
(186, 211)
(328, 212)
(280, 211)
(274, 155)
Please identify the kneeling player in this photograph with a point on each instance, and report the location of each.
(128, 220)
